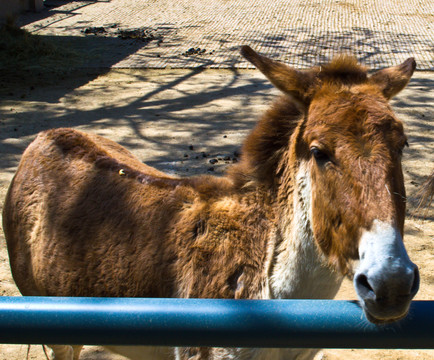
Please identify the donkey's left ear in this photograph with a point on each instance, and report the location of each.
(393, 79)
(287, 79)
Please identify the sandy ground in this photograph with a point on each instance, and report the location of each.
(169, 119)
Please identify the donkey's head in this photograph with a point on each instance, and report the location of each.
(349, 143)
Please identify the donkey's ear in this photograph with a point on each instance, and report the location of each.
(392, 80)
(287, 79)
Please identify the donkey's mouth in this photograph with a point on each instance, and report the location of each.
(377, 320)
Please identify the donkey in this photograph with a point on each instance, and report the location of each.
(318, 187)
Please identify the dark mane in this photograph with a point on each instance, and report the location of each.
(343, 69)
(265, 144)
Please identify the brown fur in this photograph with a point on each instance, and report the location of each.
(188, 211)
(83, 217)
(425, 196)
(357, 159)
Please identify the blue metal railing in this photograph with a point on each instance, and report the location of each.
(208, 322)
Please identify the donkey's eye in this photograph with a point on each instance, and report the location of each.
(400, 151)
(318, 154)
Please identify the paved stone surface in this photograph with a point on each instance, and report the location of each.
(299, 32)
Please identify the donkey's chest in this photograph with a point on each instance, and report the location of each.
(263, 354)
(305, 281)
(301, 272)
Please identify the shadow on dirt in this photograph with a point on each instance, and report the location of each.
(50, 11)
(300, 46)
(34, 60)
(178, 114)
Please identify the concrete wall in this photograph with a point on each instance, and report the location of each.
(14, 7)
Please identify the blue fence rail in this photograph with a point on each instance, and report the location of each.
(208, 322)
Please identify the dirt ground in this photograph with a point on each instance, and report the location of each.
(178, 121)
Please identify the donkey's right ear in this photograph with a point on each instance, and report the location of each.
(394, 79)
(287, 79)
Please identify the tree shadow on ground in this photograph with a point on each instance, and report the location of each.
(177, 120)
(173, 114)
(303, 47)
(51, 10)
(32, 60)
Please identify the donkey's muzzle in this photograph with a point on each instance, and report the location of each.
(385, 302)
(386, 280)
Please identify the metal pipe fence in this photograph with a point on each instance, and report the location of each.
(208, 322)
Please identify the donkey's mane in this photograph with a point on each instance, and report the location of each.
(343, 69)
(264, 146)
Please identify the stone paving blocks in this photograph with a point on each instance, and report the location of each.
(199, 33)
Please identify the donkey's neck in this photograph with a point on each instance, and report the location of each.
(299, 270)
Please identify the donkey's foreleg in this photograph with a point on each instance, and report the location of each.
(65, 352)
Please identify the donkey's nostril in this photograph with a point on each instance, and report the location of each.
(416, 281)
(362, 285)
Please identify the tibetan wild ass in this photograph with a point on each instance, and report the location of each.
(319, 185)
